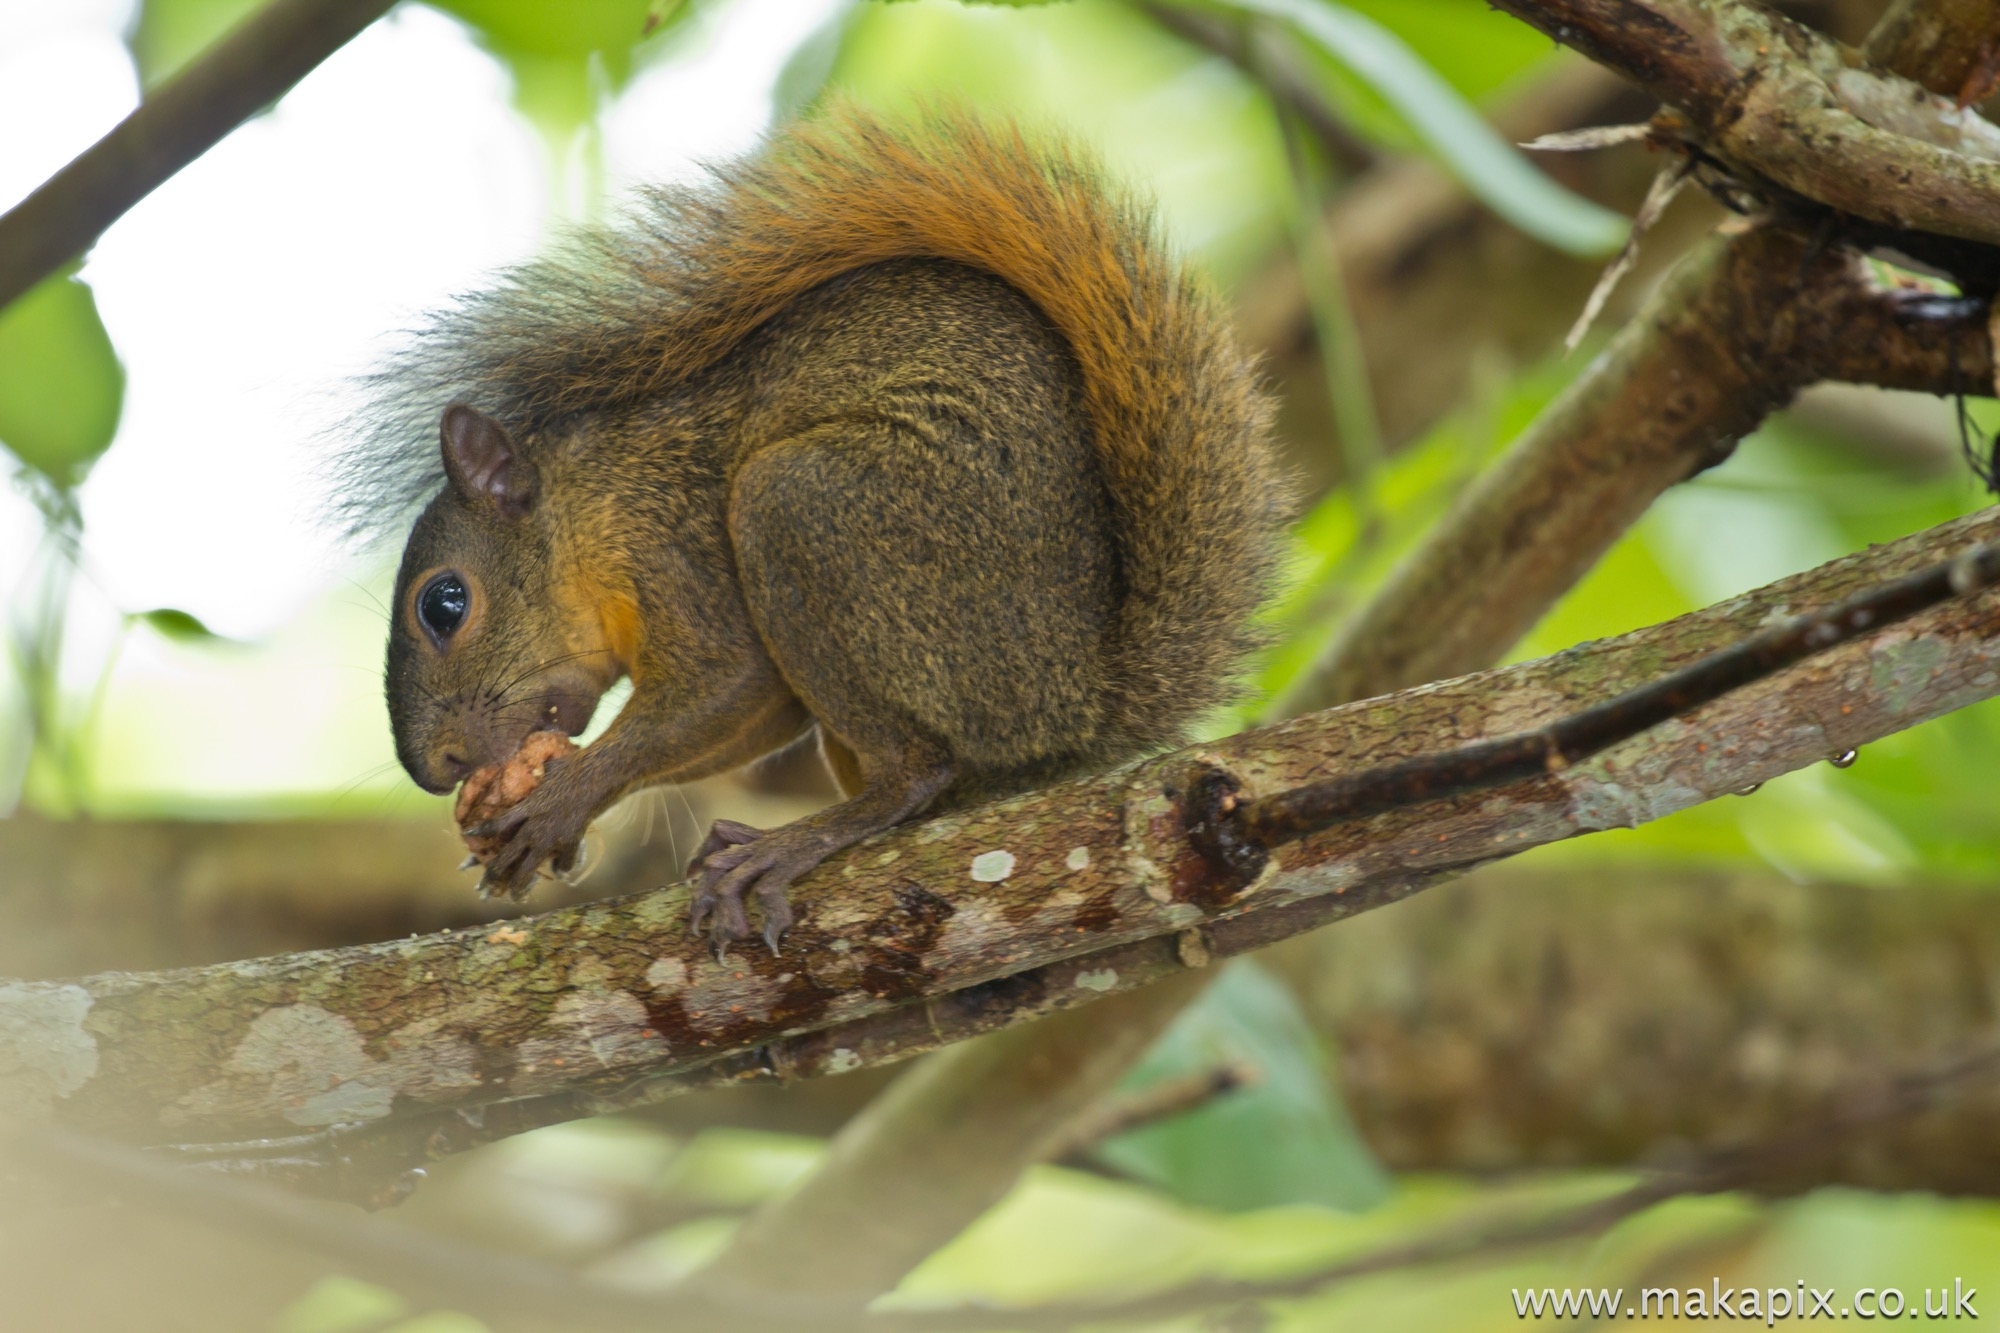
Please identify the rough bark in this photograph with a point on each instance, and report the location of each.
(948, 921)
(1440, 285)
(1514, 1021)
(182, 119)
(1779, 102)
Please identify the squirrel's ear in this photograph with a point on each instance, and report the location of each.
(482, 462)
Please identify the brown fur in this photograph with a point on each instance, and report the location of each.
(915, 434)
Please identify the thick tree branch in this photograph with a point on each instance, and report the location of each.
(1520, 1019)
(1779, 102)
(1238, 832)
(1439, 284)
(1736, 330)
(598, 1000)
(1739, 327)
(178, 122)
(1513, 1021)
(1946, 45)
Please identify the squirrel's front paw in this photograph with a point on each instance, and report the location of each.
(541, 830)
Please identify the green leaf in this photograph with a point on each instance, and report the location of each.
(180, 626)
(61, 387)
(170, 33)
(1282, 1140)
(575, 28)
(1451, 127)
(566, 59)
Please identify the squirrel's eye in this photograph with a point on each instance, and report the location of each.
(442, 605)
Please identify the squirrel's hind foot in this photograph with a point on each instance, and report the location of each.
(731, 860)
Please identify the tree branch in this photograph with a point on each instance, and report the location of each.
(911, 1145)
(1777, 101)
(1521, 1021)
(613, 1003)
(1727, 338)
(521, 1294)
(1946, 45)
(1236, 833)
(179, 121)
(1739, 327)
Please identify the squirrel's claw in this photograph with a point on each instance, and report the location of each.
(777, 916)
(734, 860)
(538, 833)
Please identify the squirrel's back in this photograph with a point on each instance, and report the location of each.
(638, 308)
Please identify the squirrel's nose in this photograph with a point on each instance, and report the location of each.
(455, 765)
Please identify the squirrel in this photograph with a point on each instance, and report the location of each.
(913, 435)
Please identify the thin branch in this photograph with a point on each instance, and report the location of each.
(1665, 187)
(1152, 1105)
(178, 122)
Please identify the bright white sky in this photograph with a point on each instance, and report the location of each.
(241, 292)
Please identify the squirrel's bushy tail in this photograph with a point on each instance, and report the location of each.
(1180, 421)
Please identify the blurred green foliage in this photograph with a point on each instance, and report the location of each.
(180, 626)
(61, 386)
(567, 60)
(1270, 1179)
(1065, 1235)
(1437, 115)
(1283, 1139)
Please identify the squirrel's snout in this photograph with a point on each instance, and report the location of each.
(441, 761)
(438, 775)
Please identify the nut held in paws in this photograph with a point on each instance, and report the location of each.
(497, 788)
